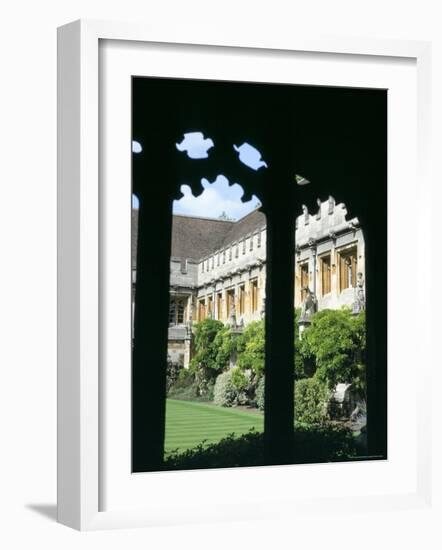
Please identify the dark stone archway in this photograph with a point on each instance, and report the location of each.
(334, 137)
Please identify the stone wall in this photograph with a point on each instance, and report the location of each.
(176, 351)
(183, 272)
(234, 258)
(324, 234)
(237, 271)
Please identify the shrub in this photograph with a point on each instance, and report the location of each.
(250, 349)
(225, 393)
(205, 363)
(311, 397)
(225, 344)
(239, 379)
(335, 341)
(184, 386)
(173, 371)
(310, 444)
(259, 394)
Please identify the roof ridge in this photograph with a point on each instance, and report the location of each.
(231, 238)
(203, 218)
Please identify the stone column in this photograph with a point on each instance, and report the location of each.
(313, 263)
(334, 282)
(149, 361)
(214, 300)
(279, 326)
(187, 351)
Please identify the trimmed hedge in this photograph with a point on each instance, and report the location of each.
(312, 444)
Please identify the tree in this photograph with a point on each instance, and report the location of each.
(251, 348)
(311, 397)
(224, 216)
(225, 344)
(206, 362)
(336, 342)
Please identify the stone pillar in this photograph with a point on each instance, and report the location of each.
(313, 263)
(334, 282)
(376, 338)
(190, 309)
(187, 350)
(214, 301)
(149, 359)
(279, 327)
(248, 298)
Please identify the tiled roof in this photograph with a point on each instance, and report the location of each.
(246, 225)
(194, 238)
(197, 237)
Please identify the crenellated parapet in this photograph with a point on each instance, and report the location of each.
(327, 222)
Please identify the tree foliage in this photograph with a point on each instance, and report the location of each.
(251, 348)
(205, 363)
(225, 344)
(259, 393)
(230, 388)
(225, 393)
(332, 349)
(311, 397)
(335, 341)
(172, 373)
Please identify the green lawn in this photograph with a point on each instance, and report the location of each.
(189, 423)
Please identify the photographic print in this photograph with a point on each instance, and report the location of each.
(259, 274)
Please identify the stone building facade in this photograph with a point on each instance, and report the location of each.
(218, 268)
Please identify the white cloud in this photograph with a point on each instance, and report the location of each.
(217, 197)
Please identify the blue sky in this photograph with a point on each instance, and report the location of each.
(218, 196)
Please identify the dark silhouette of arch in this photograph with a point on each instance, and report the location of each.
(335, 138)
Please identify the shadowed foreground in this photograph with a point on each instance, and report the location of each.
(201, 435)
(311, 444)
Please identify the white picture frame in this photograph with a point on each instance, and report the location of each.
(79, 266)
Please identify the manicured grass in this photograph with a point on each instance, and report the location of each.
(189, 423)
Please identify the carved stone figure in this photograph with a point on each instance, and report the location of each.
(359, 304)
(309, 305)
(263, 309)
(306, 214)
(232, 320)
(318, 214)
